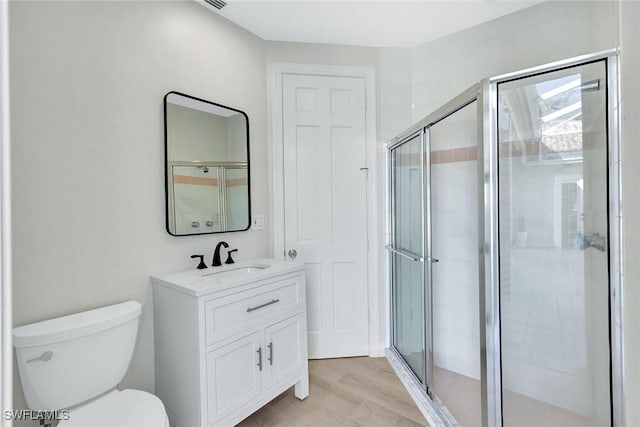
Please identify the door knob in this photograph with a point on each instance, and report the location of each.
(293, 253)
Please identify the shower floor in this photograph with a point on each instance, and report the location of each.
(461, 395)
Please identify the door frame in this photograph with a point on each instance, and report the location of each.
(489, 243)
(278, 70)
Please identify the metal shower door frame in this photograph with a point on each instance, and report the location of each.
(391, 244)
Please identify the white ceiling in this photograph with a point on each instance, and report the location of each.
(398, 23)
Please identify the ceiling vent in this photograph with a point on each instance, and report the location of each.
(218, 4)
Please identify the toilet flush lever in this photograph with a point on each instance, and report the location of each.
(45, 357)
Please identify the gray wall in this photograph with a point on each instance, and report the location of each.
(87, 83)
(537, 35)
(87, 89)
(630, 70)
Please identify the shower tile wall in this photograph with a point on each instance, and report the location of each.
(544, 349)
(456, 332)
(454, 242)
(455, 277)
(446, 66)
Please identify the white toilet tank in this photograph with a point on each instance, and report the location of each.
(68, 360)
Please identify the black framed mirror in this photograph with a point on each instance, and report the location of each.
(207, 170)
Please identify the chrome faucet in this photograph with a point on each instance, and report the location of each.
(216, 254)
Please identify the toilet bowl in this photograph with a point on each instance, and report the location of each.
(75, 362)
(126, 408)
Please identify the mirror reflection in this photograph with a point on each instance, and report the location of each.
(207, 166)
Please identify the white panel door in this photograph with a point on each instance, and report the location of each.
(325, 207)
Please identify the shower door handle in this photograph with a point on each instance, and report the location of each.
(405, 254)
(595, 241)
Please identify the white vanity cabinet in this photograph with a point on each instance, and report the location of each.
(229, 342)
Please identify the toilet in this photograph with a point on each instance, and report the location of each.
(75, 362)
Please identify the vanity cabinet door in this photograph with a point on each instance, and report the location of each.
(234, 376)
(284, 349)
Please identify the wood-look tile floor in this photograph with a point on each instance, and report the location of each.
(356, 391)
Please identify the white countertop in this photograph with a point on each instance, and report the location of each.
(215, 279)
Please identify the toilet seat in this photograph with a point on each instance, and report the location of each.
(126, 408)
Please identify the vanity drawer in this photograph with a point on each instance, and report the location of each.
(234, 313)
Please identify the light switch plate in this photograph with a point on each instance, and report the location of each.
(257, 222)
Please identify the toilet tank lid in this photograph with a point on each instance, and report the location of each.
(75, 325)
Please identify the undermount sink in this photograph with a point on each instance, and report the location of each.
(240, 269)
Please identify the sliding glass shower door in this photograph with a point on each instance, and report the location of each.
(434, 256)
(406, 250)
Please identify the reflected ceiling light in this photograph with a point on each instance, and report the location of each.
(560, 89)
(566, 110)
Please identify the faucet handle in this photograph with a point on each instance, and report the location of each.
(229, 259)
(202, 265)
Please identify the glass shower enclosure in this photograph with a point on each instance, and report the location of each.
(433, 256)
(504, 250)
